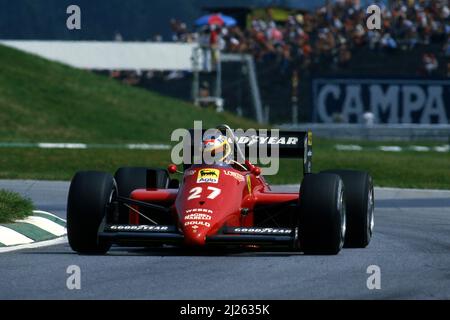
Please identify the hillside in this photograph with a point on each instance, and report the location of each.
(47, 101)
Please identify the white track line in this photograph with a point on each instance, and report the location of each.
(76, 145)
(445, 148)
(143, 146)
(355, 147)
(49, 214)
(45, 224)
(17, 241)
(390, 148)
(11, 237)
(297, 186)
(33, 245)
(348, 147)
(420, 148)
(414, 189)
(47, 145)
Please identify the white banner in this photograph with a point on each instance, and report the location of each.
(105, 55)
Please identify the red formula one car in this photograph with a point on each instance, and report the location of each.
(228, 204)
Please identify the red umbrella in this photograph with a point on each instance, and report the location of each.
(215, 19)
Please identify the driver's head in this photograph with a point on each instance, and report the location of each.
(216, 147)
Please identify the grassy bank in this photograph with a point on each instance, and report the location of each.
(42, 100)
(13, 206)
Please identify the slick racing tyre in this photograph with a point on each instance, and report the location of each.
(132, 178)
(360, 207)
(322, 217)
(90, 194)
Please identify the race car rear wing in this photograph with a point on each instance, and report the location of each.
(287, 143)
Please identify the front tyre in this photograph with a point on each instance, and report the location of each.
(90, 194)
(322, 220)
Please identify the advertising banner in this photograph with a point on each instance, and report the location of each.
(388, 100)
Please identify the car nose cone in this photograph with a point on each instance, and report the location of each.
(195, 235)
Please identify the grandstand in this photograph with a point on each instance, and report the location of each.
(293, 46)
(277, 50)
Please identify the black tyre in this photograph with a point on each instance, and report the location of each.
(322, 214)
(360, 207)
(90, 194)
(132, 178)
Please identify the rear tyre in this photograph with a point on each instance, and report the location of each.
(129, 179)
(90, 194)
(322, 214)
(360, 207)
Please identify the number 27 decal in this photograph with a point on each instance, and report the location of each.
(195, 192)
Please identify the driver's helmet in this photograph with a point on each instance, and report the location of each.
(217, 147)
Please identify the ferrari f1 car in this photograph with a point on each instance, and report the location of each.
(222, 205)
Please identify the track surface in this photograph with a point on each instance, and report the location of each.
(411, 245)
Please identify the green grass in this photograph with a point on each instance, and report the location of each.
(13, 206)
(404, 169)
(42, 101)
(407, 169)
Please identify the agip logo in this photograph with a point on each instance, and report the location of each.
(208, 176)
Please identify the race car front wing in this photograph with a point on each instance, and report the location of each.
(124, 234)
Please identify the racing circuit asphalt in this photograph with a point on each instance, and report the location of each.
(411, 245)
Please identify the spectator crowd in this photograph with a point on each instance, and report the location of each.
(333, 33)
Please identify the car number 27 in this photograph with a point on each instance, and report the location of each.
(196, 192)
